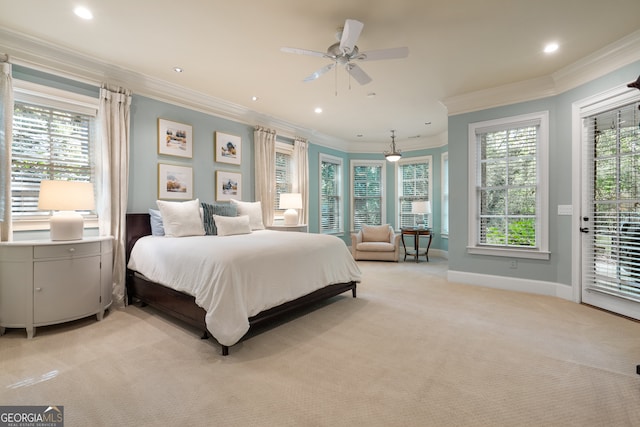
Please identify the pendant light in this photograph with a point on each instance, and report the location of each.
(393, 155)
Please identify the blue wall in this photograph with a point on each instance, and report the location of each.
(558, 268)
(143, 170)
(144, 157)
(143, 188)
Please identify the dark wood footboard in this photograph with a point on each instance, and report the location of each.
(184, 307)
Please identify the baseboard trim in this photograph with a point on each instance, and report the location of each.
(512, 284)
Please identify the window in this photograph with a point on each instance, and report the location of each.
(367, 186)
(284, 153)
(444, 221)
(331, 203)
(508, 181)
(52, 139)
(414, 183)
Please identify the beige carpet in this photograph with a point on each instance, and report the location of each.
(411, 350)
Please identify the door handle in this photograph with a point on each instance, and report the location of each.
(584, 229)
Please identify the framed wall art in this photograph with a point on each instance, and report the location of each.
(228, 186)
(175, 182)
(175, 139)
(228, 148)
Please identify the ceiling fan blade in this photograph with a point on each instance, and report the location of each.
(376, 55)
(319, 72)
(358, 74)
(303, 51)
(350, 35)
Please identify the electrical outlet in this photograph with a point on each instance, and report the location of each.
(513, 263)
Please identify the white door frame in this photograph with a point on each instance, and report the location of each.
(581, 108)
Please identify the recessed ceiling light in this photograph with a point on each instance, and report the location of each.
(83, 12)
(551, 47)
(318, 110)
(254, 98)
(178, 69)
(371, 94)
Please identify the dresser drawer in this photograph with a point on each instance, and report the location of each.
(66, 250)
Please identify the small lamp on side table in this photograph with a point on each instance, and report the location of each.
(290, 202)
(421, 207)
(66, 197)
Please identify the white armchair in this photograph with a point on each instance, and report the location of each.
(375, 243)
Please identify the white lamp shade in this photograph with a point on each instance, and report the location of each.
(67, 197)
(421, 207)
(290, 202)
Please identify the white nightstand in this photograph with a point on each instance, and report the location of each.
(300, 227)
(46, 282)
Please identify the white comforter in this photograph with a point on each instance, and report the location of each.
(236, 277)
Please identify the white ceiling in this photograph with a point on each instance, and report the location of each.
(230, 50)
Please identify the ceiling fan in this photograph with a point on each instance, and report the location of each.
(346, 53)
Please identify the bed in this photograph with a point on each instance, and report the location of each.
(227, 299)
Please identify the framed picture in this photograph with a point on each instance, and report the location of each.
(228, 148)
(228, 186)
(175, 139)
(175, 182)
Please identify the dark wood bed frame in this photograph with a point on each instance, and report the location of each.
(184, 307)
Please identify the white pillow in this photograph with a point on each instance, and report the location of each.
(230, 225)
(181, 218)
(253, 210)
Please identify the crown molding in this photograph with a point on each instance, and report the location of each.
(53, 59)
(47, 57)
(610, 58)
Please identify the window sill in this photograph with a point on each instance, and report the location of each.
(510, 253)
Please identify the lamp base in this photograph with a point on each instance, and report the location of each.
(290, 217)
(66, 225)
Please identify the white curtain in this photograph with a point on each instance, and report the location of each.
(6, 131)
(264, 142)
(301, 176)
(112, 176)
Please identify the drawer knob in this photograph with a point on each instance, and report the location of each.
(72, 249)
(38, 289)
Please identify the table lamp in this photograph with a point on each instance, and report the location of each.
(290, 202)
(66, 197)
(421, 207)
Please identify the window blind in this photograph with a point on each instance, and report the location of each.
(611, 255)
(283, 177)
(507, 184)
(48, 144)
(330, 197)
(367, 195)
(445, 194)
(413, 185)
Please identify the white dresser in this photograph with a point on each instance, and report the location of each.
(46, 282)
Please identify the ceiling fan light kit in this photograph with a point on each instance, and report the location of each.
(346, 53)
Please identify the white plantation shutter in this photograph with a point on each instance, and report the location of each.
(48, 144)
(611, 254)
